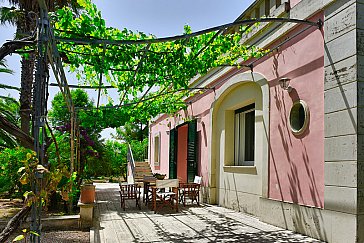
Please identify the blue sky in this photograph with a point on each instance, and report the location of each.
(159, 17)
(167, 17)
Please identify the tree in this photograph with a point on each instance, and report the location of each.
(23, 15)
(59, 114)
(132, 131)
(90, 145)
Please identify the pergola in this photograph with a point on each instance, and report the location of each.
(49, 54)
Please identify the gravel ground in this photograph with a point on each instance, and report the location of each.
(9, 207)
(66, 236)
(61, 236)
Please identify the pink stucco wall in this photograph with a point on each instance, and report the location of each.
(296, 163)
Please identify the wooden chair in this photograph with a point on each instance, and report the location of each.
(165, 193)
(129, 192)
(191, 191)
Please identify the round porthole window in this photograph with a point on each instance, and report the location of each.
(298, 117)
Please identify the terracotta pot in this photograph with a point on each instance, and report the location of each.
(87, 193)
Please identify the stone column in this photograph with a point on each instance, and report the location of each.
(342, 139)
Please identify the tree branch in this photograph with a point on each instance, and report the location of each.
(11, 46)
(14, 223)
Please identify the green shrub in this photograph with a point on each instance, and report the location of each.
(10, 162)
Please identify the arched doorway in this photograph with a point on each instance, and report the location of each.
(239, 142)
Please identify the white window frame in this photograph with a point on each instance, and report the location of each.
(240, 136)
(157, 149)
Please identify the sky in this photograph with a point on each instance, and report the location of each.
(159, 17)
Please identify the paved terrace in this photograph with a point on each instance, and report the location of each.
(206, 223)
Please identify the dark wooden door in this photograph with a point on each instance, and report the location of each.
(173, 153)
(192, 145)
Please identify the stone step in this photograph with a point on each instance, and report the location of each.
(142, 171)
(142, 168)
(137, 164)
(142, 176)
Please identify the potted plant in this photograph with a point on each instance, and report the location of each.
(159, 176)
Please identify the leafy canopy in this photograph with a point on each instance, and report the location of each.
(136, 70)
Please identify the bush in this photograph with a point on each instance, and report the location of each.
(11, 160)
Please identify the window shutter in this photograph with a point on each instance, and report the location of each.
(173, 154)
(192, 151)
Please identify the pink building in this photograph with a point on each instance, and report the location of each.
(291, 157)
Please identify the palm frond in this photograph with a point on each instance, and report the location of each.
(6, 140)
(9, 15)
(8, 98)
(9, 108)
(5, 86)
(4, 68)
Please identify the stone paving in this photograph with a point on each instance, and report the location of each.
(206, 223)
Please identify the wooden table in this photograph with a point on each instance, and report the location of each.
(148, 181)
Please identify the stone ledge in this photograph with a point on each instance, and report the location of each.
(327, 225)
(86, 214)
(52, 222)
(241, 169)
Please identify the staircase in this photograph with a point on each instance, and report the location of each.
(141, 169)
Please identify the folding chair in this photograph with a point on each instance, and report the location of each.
(191, 191)
(165, 193)
(130, 192)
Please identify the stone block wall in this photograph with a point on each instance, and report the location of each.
(342, 218)
(342, 116)
(360, 116)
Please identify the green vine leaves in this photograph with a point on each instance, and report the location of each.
(163, 68)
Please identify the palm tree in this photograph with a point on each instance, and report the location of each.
(20, 14)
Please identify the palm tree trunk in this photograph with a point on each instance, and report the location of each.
(25, 26)
(27, 70)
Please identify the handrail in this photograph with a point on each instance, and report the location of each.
(130, 158)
